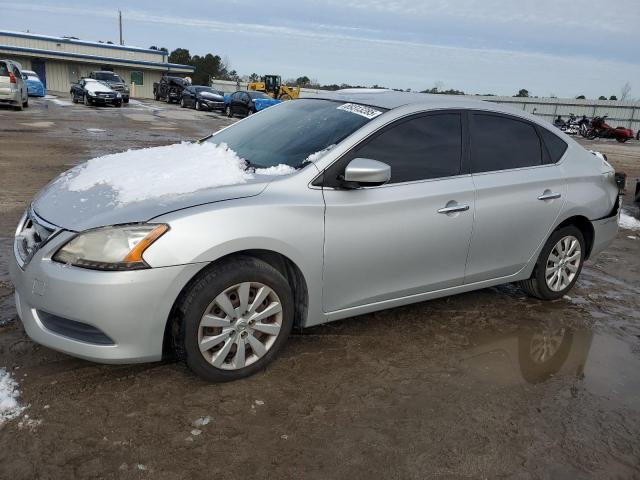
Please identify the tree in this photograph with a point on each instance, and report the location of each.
(207, 67)
(602, 97)
(522, 93)
(613, 97)
(581, 97)
(180, 56)
(625, 91)
(254, 77)
(303, 81)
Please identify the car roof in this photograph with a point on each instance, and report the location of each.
(30, 72)
(390, 99)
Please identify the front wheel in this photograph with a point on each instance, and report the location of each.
(182, 104)
(87, 101)
(558, 266)
(198, 105)
(234, 319)
(622, 139)
(228, 112)
(591, 134)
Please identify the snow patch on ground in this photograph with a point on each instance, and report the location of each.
(62, 103)
(173, 169)
(629, 222)
(9, 406)
(95, 130)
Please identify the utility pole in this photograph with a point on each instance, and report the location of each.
(120, 24)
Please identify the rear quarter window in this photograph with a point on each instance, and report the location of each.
(554, 144)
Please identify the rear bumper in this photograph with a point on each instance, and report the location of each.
(10, 96)
(605, 231)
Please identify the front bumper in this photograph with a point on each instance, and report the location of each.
(130, 308)
(106, 100)
(210, 105)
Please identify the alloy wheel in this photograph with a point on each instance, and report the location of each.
(544, 346)
(563, 263)
(240, 325)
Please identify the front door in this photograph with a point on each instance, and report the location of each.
(38, 66)
(519, 195)
(397, 240)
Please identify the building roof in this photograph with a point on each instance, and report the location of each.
(34, 36)
(96, 58)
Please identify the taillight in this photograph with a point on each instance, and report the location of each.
(12, 78)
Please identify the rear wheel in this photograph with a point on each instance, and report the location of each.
(26, 103)
(622, 139)
(558, 266)
(235, 319)
(591, 134)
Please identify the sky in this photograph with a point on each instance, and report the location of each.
(548, 47)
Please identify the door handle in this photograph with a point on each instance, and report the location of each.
(549, 196)
(454, 209)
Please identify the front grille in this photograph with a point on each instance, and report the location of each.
(118, 88)
(105, 95)
(32, 234)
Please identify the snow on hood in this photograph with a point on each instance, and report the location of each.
(137, 185)
(9, 407)
(95, 87)
(211, 95)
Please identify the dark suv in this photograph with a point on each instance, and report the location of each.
(114, 81)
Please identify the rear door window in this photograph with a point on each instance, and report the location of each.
(503, 143)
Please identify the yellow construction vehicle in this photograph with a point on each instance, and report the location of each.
(272, 86)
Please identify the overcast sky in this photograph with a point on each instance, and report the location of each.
(488, 46)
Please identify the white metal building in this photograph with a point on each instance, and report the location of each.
(62, 61)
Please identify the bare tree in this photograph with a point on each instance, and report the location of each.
(625, 91)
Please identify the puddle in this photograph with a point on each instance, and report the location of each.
(600, 363)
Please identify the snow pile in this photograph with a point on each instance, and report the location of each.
(629, 222)
(9, 407)
(137, 175)
(319, 154)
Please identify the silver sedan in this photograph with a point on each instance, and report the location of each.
(351, 202)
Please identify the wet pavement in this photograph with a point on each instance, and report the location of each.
(480, 385)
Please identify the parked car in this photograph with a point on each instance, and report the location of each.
(353, 202)
(35, 87)
(114, 81)
(248, 102)
(95, 92)
(202, 98)
(169, 88)
(13, 89)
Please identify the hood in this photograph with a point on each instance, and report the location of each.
(138, 185)
(211, 96)
(95, 87)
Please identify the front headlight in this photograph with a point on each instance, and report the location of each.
(111, 248)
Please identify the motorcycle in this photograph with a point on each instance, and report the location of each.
(600, 128)
(573, 126)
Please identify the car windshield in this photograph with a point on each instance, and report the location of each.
(107, 77)
(258, 95)
(290, 132)
(4, 70)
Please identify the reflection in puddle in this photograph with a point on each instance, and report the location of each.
(602, 364)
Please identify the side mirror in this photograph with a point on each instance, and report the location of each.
(25, 76)
(365, 172)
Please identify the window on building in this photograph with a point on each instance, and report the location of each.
(137, 78)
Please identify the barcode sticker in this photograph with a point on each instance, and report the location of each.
(361, 110)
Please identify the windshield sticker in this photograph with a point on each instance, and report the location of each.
(361, 110)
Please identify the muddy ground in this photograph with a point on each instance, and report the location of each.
(481, 385)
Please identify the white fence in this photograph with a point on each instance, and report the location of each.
(625, 114)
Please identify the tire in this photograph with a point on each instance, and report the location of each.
(591, 135)
(126, 100)
(537, 286)
(542, 354)
(198, 106)
(226, 280)
(168, 100)
(119, 105)
(638, 135)
(182, 105)
(87, 101)
(74, 99)
(157, 97)
(622, 139)
(26, 103)
(250, 112)
(228, 112)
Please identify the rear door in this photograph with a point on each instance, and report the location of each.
(397, 240)
(519, 194)
(5, 82)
